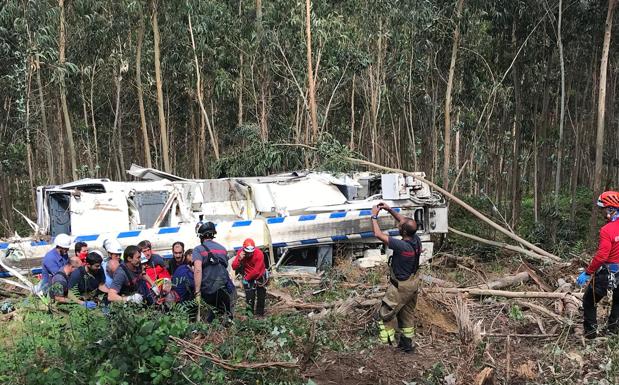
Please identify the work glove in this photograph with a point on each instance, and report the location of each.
(135, 298)
(155, 290)
(582, 279)
(89, 305)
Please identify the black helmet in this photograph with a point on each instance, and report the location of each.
(205, 229)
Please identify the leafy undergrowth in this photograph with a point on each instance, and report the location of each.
(133, 346)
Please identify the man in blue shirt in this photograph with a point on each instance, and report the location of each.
(55, 259)
(183, 280)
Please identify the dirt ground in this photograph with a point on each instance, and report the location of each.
(539, 350)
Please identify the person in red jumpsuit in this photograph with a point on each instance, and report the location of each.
(250, 260)
(603, 268)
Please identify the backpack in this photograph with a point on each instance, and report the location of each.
(214, 275)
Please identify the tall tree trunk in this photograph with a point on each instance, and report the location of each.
(575, 171)
(28, 140)
(351, 144)
(200, 97)
(562, 118)
(91, 165)
(195, 147)
(262, 74)
(138, 79)
(434, 133)
(116, 128)
(310, 72)
(516, 179)
(599, 142)
(535, 177)
(62, 175)
(48, 143)
(410, 120)
(450, 79)
(63, 92)
(92, 117)
(165, 151)
(239, 116)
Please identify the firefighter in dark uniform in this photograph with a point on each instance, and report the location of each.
(398, 305)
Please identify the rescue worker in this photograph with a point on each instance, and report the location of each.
(153, 259)
(398, 305)
(127, 277)
(250, 260)
(59, 289)
(183, 279)
(211, 278)
(55, 259)
(178, 256)
(114, 250)
(89, 279)
(81, 251)
(603, 267)
(110, 268)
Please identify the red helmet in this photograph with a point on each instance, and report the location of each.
(609, 199)
(249, 245)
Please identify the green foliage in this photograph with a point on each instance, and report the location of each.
(331, 155)
(131, 345)
(436, 374)
(515, 313)
(555, 231)
(254, 156)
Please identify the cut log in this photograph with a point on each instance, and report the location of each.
(501, 293)
(544, 311)
(510, 280)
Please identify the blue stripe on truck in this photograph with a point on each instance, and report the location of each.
(128, 234)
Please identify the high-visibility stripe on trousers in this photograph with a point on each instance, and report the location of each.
(386, 334)
(408, 332)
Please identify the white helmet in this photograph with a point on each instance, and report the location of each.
(63, 240)
(143, 258)
(112, 246)
(99, 253)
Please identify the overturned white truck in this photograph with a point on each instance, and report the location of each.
(300, 218)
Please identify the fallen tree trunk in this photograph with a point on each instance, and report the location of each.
(501, 293)
(462, 204)
(503, 245)
(510, 280)
(542, 310)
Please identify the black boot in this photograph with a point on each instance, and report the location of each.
(406, 344)
(591, 332)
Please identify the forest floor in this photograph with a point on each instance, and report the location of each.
(460, 338)
(516, 344)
